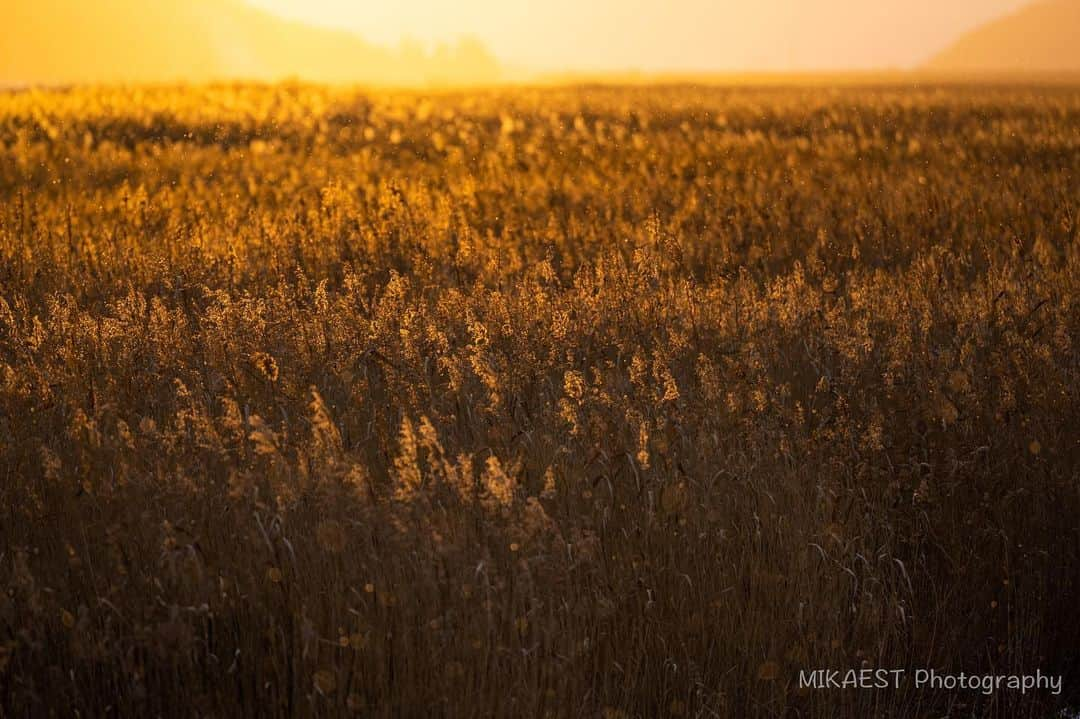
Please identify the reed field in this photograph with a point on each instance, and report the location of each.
(590, 401)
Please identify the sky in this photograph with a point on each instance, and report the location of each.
(667, 35)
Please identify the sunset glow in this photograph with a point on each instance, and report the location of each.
(526, 360)
(474, 42)
(719, 35)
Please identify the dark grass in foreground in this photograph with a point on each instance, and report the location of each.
(612, 403)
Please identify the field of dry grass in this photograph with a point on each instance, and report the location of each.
(599, 402)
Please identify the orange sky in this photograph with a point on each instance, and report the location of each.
(364, 41)
(668, 34)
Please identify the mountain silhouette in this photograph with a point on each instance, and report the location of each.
(51, 42)
(1041, 37)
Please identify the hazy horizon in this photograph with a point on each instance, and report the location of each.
(678, 36)
(428, 43)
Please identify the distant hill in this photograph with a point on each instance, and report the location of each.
(1043, 37)
(77, 41)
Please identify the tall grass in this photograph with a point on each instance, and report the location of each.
(574, 402)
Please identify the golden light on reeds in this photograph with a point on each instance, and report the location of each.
(623, 401)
